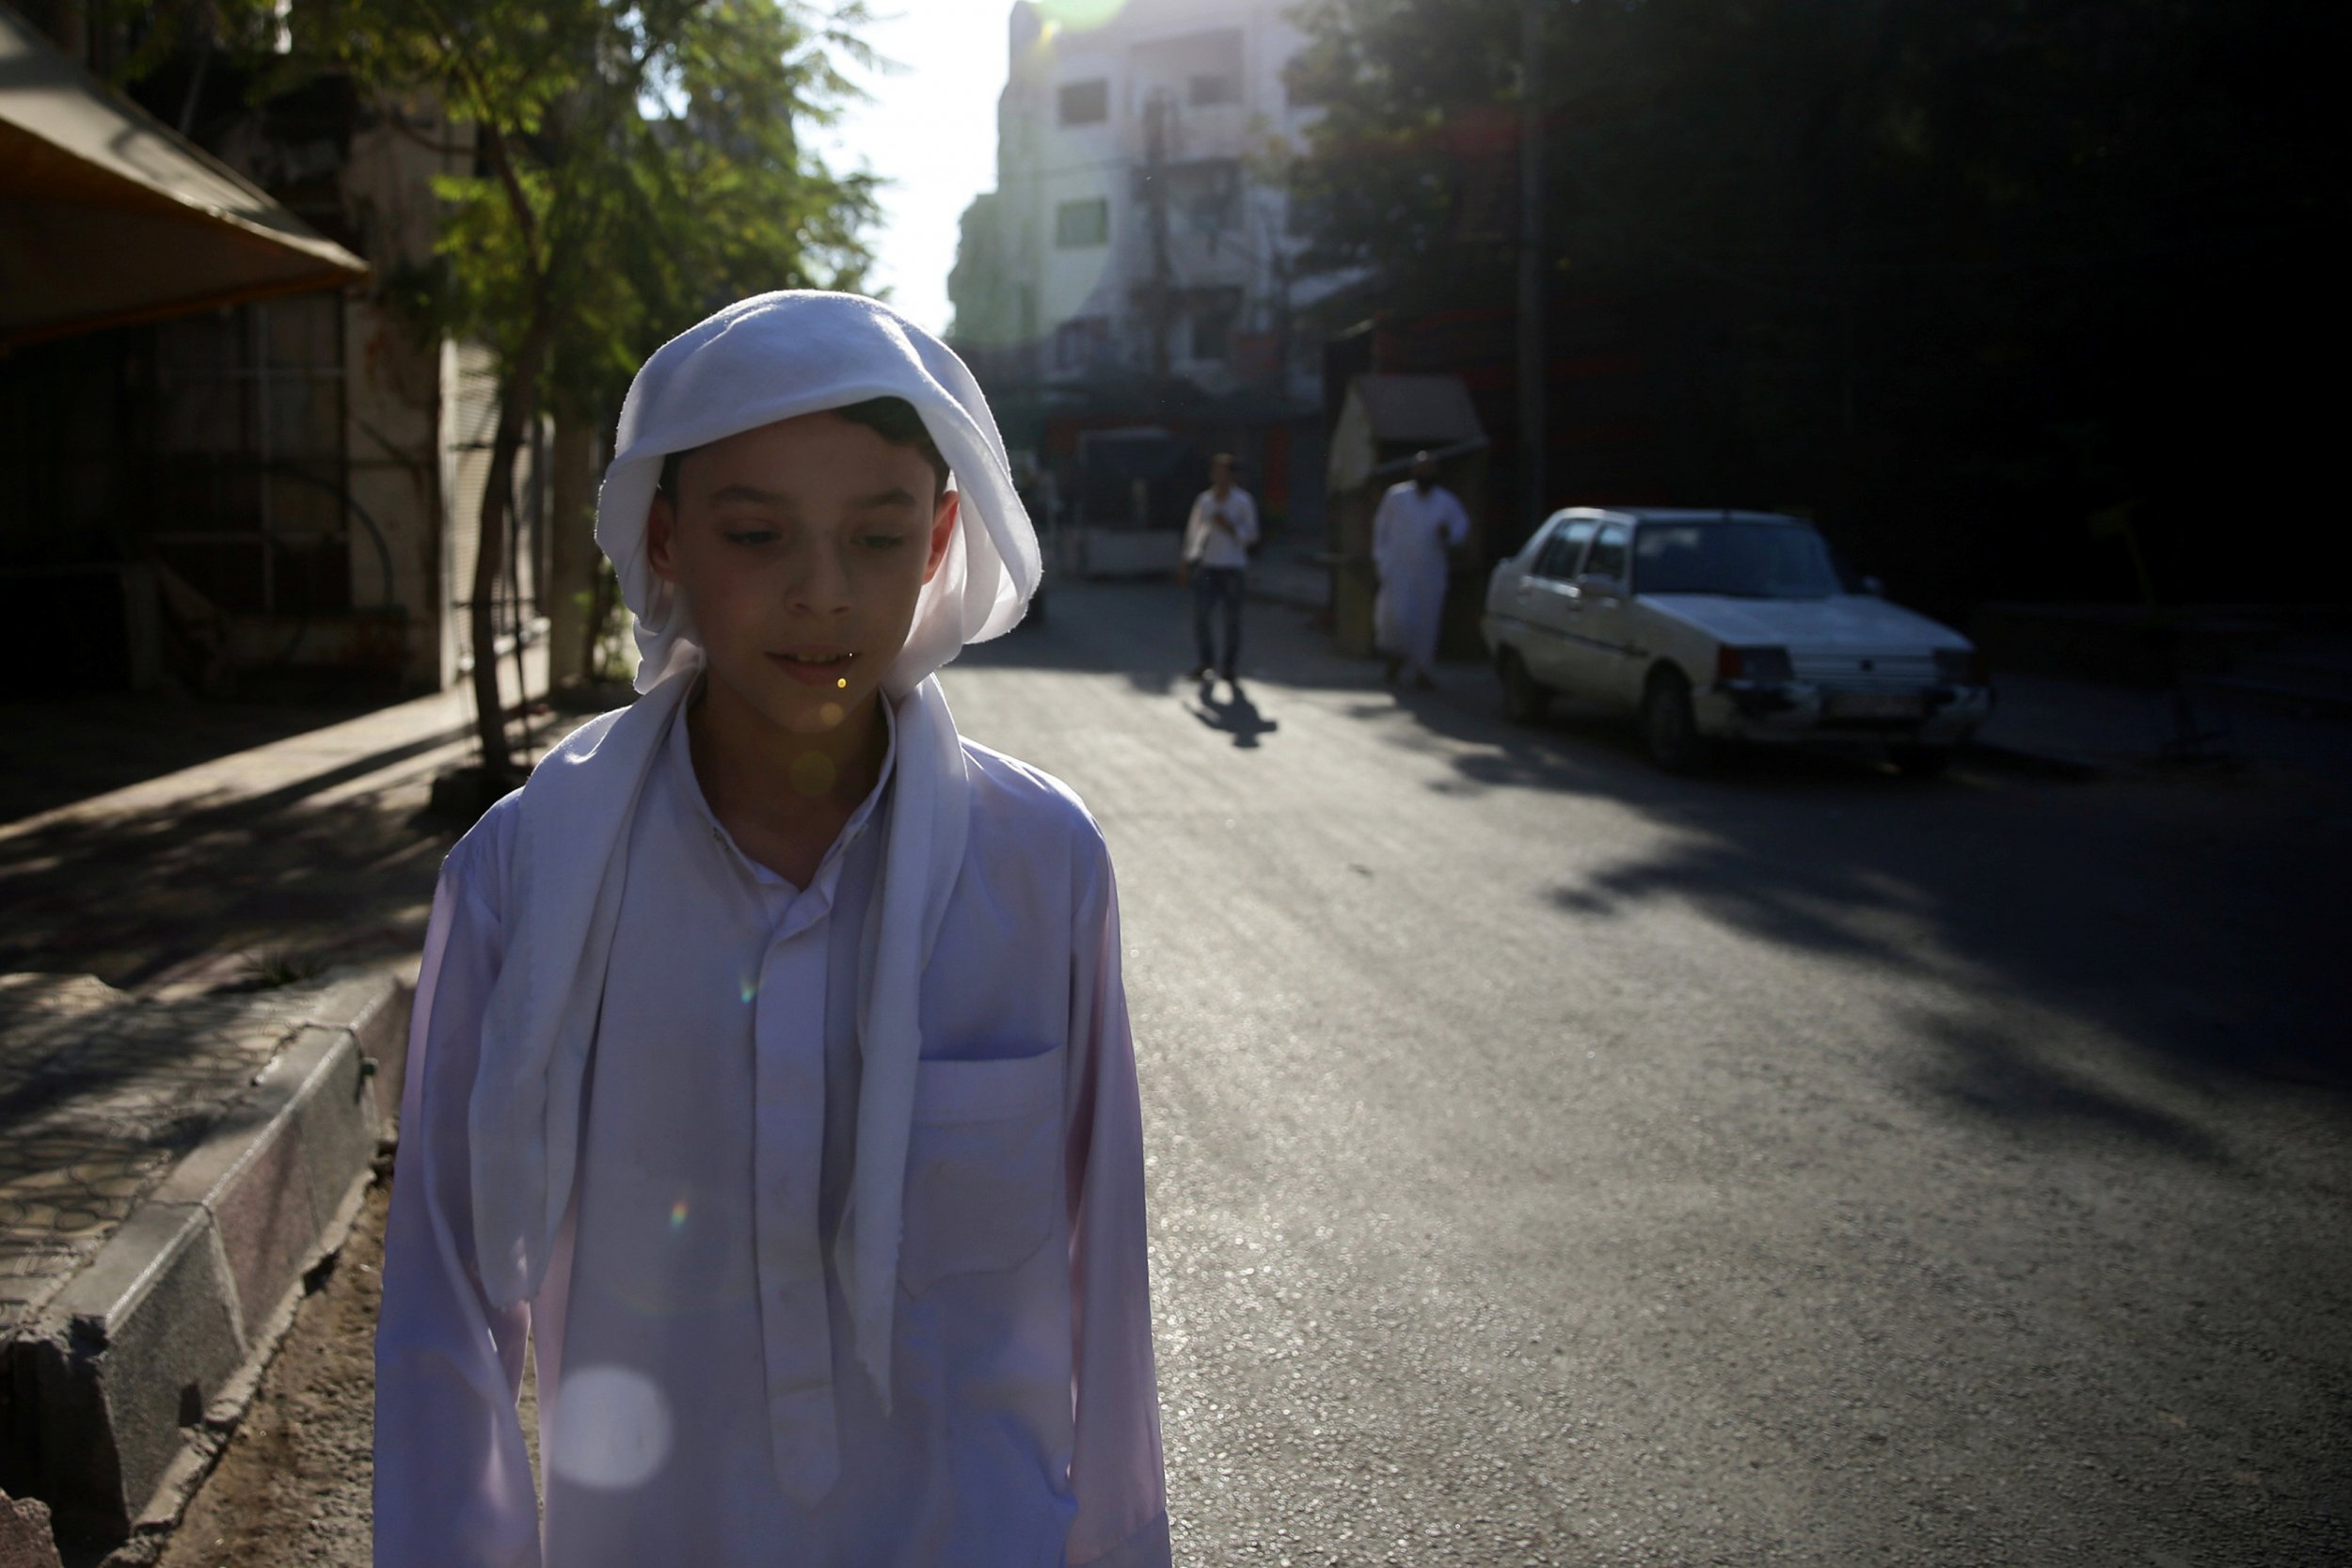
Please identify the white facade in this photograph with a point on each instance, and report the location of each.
(1137, 225)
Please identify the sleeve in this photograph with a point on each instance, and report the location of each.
(1384, 534)
(1196, 532)
(454, 1487)
(1456, 519)
(1115, 1471)
(1249, 530)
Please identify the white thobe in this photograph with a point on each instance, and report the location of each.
(1410, 533)
(700, 1396)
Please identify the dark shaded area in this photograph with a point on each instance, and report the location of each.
(134, 897)
(2191, 915)
(57, 752)
(1987, 290)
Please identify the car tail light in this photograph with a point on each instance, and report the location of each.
(1753, 664)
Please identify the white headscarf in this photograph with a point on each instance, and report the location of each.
(766, 358)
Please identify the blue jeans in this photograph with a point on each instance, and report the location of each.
(1213, 587)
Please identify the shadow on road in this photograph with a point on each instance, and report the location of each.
(1236, 716)
(2190, 919)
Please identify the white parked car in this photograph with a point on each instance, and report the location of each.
(1729, 625)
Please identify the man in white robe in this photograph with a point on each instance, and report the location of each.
(770, 1083)
(1418, 521)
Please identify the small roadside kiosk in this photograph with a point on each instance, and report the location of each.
(1384, 421)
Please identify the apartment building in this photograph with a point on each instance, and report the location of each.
(1127, 291)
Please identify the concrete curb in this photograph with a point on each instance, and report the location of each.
(124, 1389)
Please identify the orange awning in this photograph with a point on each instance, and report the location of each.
(107, 215)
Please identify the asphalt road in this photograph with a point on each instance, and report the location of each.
(1558, 1163)
(1554, 1162)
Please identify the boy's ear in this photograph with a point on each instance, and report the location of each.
(943, 532)
(661, 530)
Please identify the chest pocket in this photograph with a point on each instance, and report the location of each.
(984, 1165)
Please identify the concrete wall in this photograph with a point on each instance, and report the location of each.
(394, 404)
(1016, 285)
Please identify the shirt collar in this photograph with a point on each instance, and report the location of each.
(681, 760)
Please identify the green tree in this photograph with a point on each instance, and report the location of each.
(1974, 265)
(638, 166)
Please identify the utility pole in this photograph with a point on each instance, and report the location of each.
(1155, 219)
(1532, 358)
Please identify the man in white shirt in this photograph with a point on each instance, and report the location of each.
(770, 1077)
(1418, 521)
(1218, 539)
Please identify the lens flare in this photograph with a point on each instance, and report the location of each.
(1079, 16)
(611, 1429)
(841, 684)
(677, 1215)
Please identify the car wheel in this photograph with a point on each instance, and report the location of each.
(1524, 698)
(1670, 731)
(1920, 762)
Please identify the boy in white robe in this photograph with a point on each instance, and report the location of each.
(771, 1072)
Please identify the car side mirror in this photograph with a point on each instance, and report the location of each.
(1592, 587)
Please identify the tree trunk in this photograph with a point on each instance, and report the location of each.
(572, 568)
(516, 391)
(603, 590)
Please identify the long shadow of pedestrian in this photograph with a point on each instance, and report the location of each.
(1238, 716)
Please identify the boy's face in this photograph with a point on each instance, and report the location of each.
(799, 548)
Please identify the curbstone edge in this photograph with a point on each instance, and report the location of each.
(138, 1367)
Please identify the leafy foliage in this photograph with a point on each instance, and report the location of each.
(1920, 260)
(637, 166)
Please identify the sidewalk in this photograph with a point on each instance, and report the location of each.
(169, 1174)
(2084, 727)
(1286, 573)
(204, 982)
(298, 853)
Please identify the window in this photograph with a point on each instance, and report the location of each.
(1200, 69)
(1557, 558)
(1082, 341)
(246, 494)
(1079, 224)
(1608, 557)
(1205, 88)
(1084, 102)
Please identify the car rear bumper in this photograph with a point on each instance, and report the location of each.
(1801, 711)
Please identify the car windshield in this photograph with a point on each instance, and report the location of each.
(1748, 561)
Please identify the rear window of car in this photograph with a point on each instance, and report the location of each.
(1748, 561)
